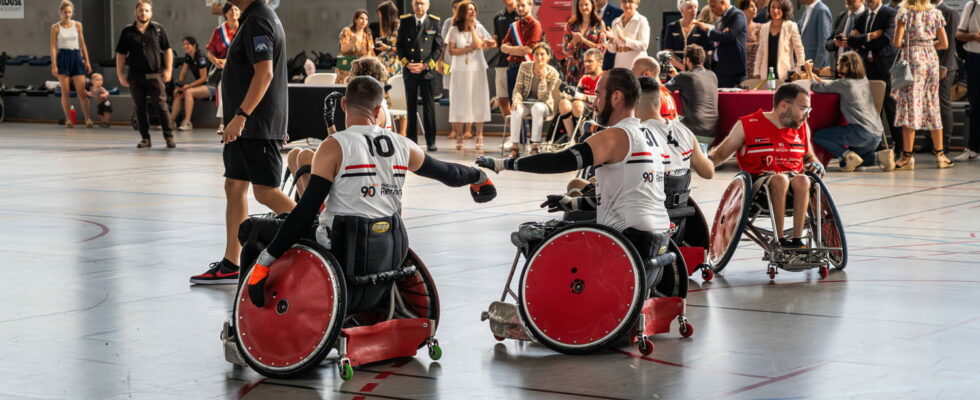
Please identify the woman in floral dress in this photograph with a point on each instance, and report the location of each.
(355, 41)
(384, 44)
(584, 30)
(919, 33)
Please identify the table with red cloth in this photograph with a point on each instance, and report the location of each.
(735, 105)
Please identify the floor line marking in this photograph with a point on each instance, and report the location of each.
(673, 364)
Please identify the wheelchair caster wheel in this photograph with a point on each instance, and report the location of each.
(707, 274)
(824, 272)
(772, 273)
(498, 338)
(646, 346)
(687, 330)
(346, 370)
(435, 352)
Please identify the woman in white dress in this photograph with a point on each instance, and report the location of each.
(630, 35)
(469, 92)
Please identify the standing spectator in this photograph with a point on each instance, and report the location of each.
(683, 32)
(815, 28)
(729, 35)
(254, 89)
(646, 66)
(446, 25)
(469, 93)
(698, 88)
(608, 13)
(583, 31)
(872, 39)
(143, 46)
(947, 69)
(355, 42)
(501, 23)
(780, 47)
(419, 46)
(919, 33)
(837, 45)
(969, 32)
(706, 16)
(184, 95)
(71, 62)
(854, 143)
(384, 44)
(749, 8)
(103, 107)
(521, 37)
(630, 35)
(536, 82)
(217, 51)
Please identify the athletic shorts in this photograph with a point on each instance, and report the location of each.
(758, 181)
(254, 160)
(69, 62)
(500, 82)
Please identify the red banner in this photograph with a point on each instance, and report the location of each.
(553, 15)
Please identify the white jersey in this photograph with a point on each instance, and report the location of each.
(632, 191)
(370, 178)
(676, 141)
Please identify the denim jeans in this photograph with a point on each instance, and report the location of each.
(838, 139)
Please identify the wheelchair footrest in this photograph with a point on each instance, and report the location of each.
(659, 312)
(505, 321)
(386, 340)
(693, 258)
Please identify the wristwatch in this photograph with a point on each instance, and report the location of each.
(241, 112)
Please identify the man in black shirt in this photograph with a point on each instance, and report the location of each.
(254, 85)
(143, 46)
(501, 23)
(419, 47)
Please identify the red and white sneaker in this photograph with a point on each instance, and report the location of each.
(220, 273)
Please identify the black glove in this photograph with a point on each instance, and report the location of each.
(560, 202)
(484, 190)
(493, 164)
(817, 168)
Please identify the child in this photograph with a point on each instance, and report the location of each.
(101, 96)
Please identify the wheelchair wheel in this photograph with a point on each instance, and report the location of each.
(730, 221)
(673, 282)
(419, 292)
(306, 307)
(832, 227)
(581, 289)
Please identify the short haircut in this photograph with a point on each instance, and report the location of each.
(646, 64)
(227, 7)
(650, 89)
(788, 92)
(369, 66)
(786, 6)
(695, 54)
(593, 52)
(851, 66)
(681, 3)
(364, 92)
(141, 2)
(623, 81)
(97, 75)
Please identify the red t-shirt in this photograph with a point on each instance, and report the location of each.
(530, 33)
(587, 84)
(220, 39)
(668, 109)
(771, 149)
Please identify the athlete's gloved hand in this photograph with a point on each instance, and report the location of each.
(817, 168)
(258, 277)
(560, 202)
(483, 190)
(494, 164)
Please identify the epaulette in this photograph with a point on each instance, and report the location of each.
(405, 16)
(435, 17)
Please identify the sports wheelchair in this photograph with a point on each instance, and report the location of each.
(743, 210)
(584, 287)
(317, 303)
(689, 229)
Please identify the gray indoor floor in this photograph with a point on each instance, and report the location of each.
(98, 240)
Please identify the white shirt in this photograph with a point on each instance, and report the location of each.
(68, 37)
(420, 21)
(806, 15)
(472, 61)
(971, 23)
(632, 191)
(637, 33)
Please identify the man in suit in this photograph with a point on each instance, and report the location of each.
(947, 71)
(762, 16)
(419, 46)
(842, 25)
(815, 28)
(609, 13)
(729, 35)
(699, 93)
(872, 37)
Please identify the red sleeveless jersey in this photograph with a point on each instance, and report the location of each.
(771, 149)
(668, 110)
(587, 84)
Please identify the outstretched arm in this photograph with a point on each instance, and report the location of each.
(452, 174)
(607, 146)
(729, 146)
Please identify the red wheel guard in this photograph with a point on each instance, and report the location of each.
(387, 340)
(693, 258)
(659, 312)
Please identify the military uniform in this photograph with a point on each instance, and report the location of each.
(420, 42)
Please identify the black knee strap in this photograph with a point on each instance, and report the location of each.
(302, 170)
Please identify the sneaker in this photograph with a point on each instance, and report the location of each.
(104, 125)
(850, 161)
(170, 142)
(143, 144)
(185, 126)
(886, 160)
(967, 155)
(794, 243)
(221, 129)
(219, 273)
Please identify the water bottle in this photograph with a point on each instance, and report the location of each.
(771, 80)
(71, 112)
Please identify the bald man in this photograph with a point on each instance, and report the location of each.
(647, 66)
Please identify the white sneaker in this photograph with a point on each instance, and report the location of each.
(967, 155)
(185, 126)
(851, 161)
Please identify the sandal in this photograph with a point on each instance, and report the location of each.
(907, 162)
(479, 142)
(467, 135)
(941, 160)
(459, 143)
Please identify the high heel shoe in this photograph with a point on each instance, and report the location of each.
(941, 160)
(479, 143)
(452, 135)
(907, 162)
(89, 123)
(459, 142)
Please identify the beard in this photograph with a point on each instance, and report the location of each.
(605, 113)
(141, 19)
(791, 122)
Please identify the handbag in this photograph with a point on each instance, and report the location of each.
(344, 63)
(901, 73)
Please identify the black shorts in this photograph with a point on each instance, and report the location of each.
(254, 160)
(103, 108)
